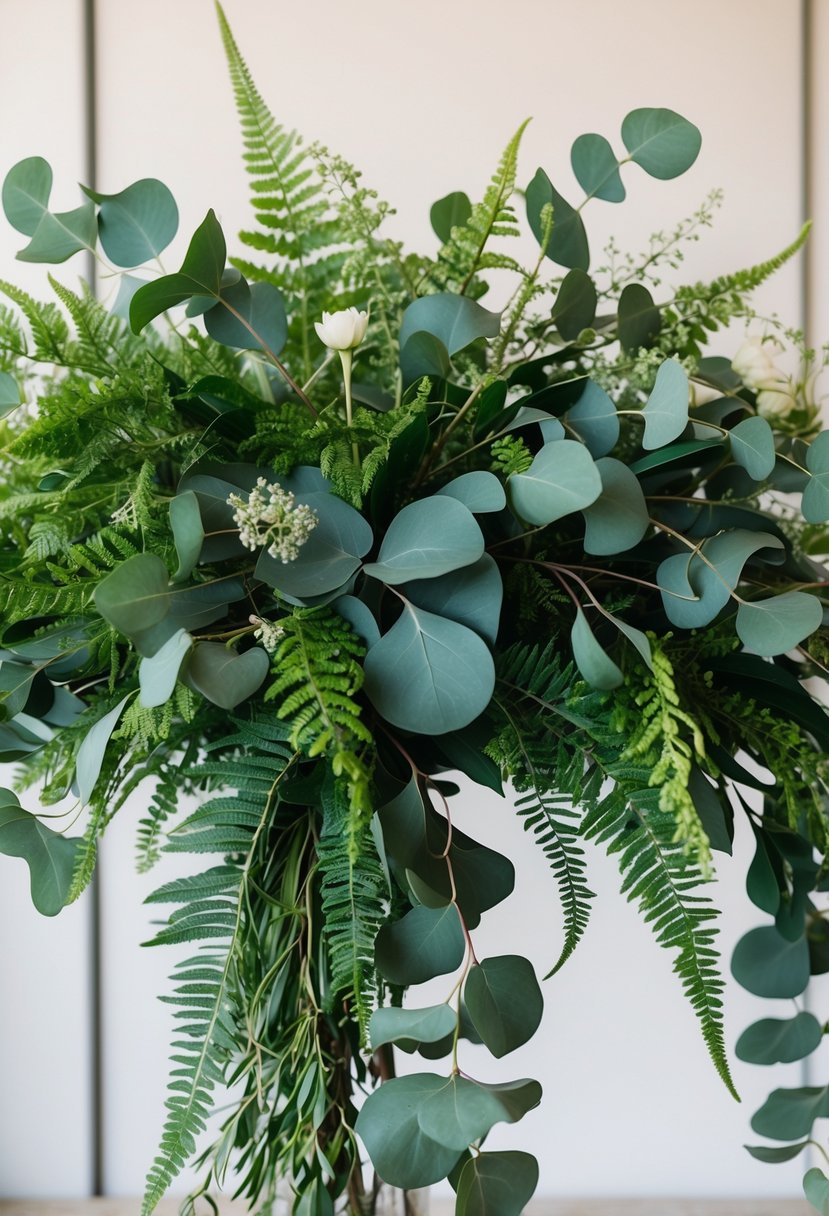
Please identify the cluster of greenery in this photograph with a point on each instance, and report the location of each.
(535, 559)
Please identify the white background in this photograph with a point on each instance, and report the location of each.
(423, 97)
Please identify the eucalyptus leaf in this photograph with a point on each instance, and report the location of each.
(59, 235)
(360, 618)
(815, 503)
(497, 1184)
(224, 676)
(666, 412)
(92, 750)
(661, 141)
(788, 1114)
(429, 674)
(137, 224)
(249, 318)
(562, 478)
(49, 856)
(780, 1041)
(774, 1156)
(427, 538)
(568, 243)
(752, 447)
(15, 687)
(451, 211)
(574, 308)
(26, 190)
(768, 965)
(158, 675)
(408, 1027)
(479, 491)
(424, 943)
(619, 518)
(330, 555)
(639, 320)
(504, 1002)
(597, 168)
(595, 420)
(135, 596)
(778, 624)
(816, 1190)
(697, 586)
(454, 320)
(200, 274)
(188, 532)
(472, 596)
(9, 394)
(593, 662)
(423, 354)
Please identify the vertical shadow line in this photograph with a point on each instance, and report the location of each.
(90, 98)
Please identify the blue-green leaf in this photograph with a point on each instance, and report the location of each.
(188, 532)
(497, 1184)
(666, 411)
(479, 491)
(427, 538)
(815, 504)
(752, 447)
(618, 519)
(504, 1001)
(9, 394)
(424, 943)
(768, 965)
(135, 596)
(774, 1156)
(568, 242)
(26, 190)
(328, 558)
(639, 319)
(158, 674)
(451, 211)
(788, 1114)
(408, 1027)
(423, 354)
(138, 223)
(561, 479)
(200, 274)
(595, 421)
(816, 1190)
(92, 750)
(249, 318)
(593, 662)
(429, 674)
(61, 234)
(49, 856)
(780, 1041)
(778, 624)
(224, 676)
(454, 320)
(360, 618)
(661, 141)
(697, 586)
(472, 596)
(574, 308)
(597, 169)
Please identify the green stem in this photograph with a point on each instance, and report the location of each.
(346, 358)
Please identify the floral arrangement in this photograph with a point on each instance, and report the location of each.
(337, 531)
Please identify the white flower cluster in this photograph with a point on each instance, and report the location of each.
(269, 518)
(754, 364)
(268, 633)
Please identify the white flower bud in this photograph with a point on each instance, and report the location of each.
(754, 362)
(342, 330)
(777, 403)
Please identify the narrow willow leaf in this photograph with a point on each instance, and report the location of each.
(91, 753)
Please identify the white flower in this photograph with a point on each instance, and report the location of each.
(342, 330)
(269, 516)
(268, 633)
(776, 403)
(754, 363)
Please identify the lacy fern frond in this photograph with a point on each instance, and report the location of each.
(212, 908)
(466, 254)
(354, 904)
(100, 337)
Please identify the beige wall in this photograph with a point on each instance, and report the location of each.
(423, 96)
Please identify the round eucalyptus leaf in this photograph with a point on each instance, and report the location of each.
(49, 855)
(497, 1184)
(424, 943)
(779, 1041)
(360, 618)
(752, 447)
(427, 538)
(618, 519)
(574, 308)
(409, 1027)
(472, 596)
(661, 141)
(451, 211)
(568, 242)
(666, 412)
(504, 1002)
(815, 504)
(402, 1153)
(249, 318)
(778, 624)
(479, 491)
(595, 420)
(188, 532)
(453, 319)
(697, 586)
(788, 1114)
(597, 169)
(561, 479)
(135, 595)
(59, 235)
(224, 676)
(421, 355)
(26, 190)
(429, 674)
(330, 555)
(593, 662)
(639, 320)
(768, 965)
(138, 223)
(816, 1190)
(158, 674)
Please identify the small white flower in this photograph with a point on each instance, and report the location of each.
(701, 394)
(343, 330)
(270, 517)
(754, 363)
(268, 633)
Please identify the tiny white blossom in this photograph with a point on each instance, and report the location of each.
(269, 518)
(269, 633)
(343, 330)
